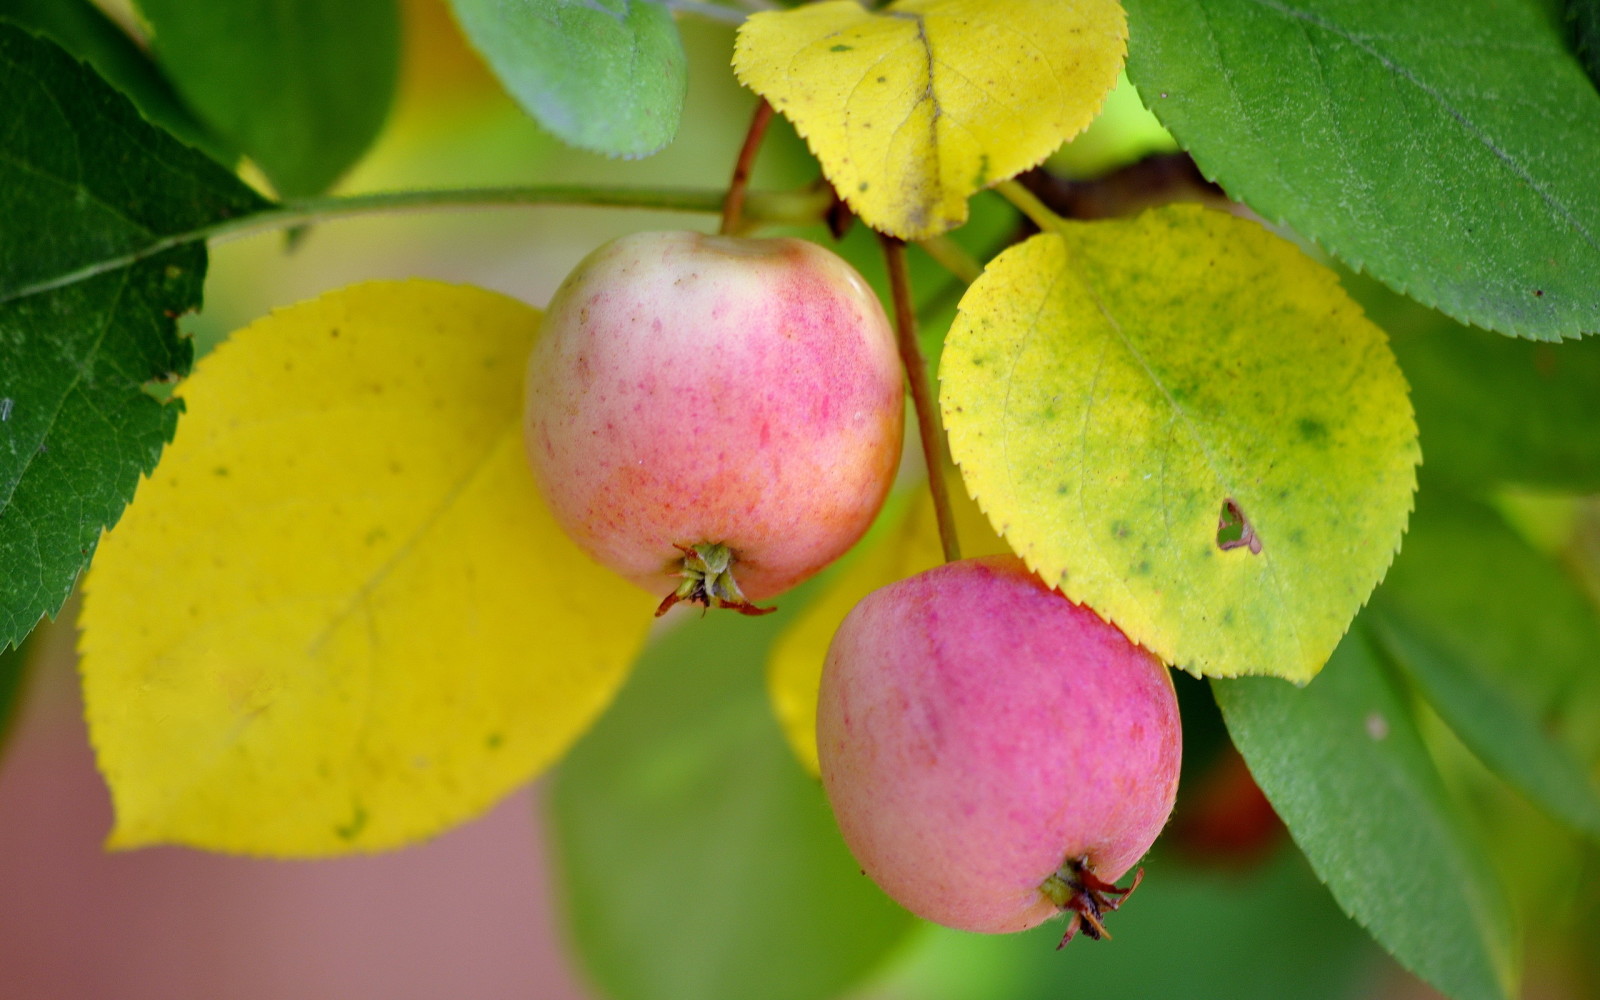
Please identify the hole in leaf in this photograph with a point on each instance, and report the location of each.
(1234, 530)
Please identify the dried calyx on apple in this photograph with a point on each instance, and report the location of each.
(994, 753)
(714, 418)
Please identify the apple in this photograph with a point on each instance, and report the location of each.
(994, 753)
(714, 418)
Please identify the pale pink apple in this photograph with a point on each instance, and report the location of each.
(723, 407)
(994, 753)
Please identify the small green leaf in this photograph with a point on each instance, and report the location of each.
(700, 861)
(603, 75)
(1492, 410)
(86, 185)
(301, 87)
(82, 29)
(1183, 422)
(1504, 644)
(1447, 149)
(1344, 766)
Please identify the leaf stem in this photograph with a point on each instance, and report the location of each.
(798, 207)
(1028, 204)
(734, 203)
(928, 426)
(953, 257)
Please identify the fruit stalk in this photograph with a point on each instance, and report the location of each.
(733, 205)
(929, 428)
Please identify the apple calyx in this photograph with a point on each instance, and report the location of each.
(708, 581)
(1076, 887)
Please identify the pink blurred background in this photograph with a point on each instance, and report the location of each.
(467, 914)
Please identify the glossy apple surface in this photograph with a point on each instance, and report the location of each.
(690, 389)
(978, 732)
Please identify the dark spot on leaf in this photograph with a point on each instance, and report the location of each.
(883, 79)
(1120, 529)
(841, 48)
(334, 332)
(1234, 530)
(864, 185)
(495, 741)
(1312, 430)
(221, 470)
(358, 822)
(1538, 293)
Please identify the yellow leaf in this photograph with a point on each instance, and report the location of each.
(1185, 423)
(910, 546)
(338, 618)
(913, 108)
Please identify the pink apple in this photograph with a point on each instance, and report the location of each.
(994, 753)
(714, 418)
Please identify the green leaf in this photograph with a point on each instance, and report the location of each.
(1503, 734)
(1504, 645)
(603, 75)
(700, 861)
(82, 29)
(1448, 149)
(85, 182)
(1135, 406)
(86, 185)
(1344, 766)
(1493, 410)
(1267, 933)
(301, 87)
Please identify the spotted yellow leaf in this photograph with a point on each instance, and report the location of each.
(338, 618)
(1185, 423)
(794, 669)
(913, 108)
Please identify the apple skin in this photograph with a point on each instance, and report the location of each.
(977, 731)
(690, 389)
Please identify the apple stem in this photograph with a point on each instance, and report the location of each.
(708, 581)
(733, 205)
(922, 400)
(1076, 887)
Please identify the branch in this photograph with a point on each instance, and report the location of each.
(800, 207)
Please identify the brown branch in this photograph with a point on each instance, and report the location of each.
(1154, 180)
